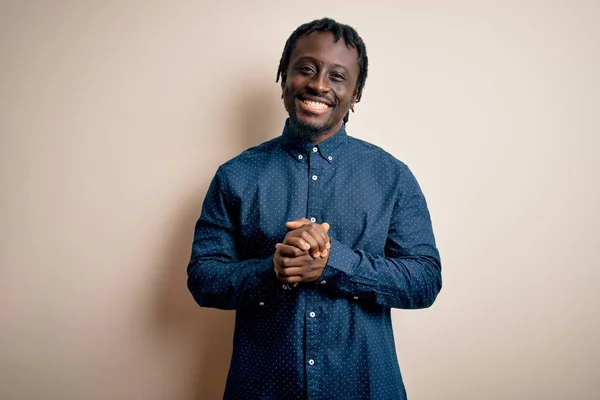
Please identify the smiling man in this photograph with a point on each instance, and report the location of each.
(313, 237)
(320, 83)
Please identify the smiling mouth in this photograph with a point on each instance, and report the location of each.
(313, 107)
(316, 104)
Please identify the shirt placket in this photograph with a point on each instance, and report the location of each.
(313, 358)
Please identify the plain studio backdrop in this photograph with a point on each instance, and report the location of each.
(114, 116)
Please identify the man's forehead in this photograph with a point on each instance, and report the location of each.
(323, 43)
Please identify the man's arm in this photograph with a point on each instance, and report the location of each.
(216, 276)
(407, 276)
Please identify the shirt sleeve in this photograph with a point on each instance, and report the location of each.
(216, 276)
(407, 276)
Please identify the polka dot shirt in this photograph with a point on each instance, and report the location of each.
(331, 339)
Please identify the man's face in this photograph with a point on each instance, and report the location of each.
(319, 85)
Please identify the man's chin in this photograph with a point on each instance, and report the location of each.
(306, 130)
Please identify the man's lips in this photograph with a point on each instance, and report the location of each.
(313, 106)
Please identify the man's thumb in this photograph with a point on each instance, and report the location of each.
(294, 224)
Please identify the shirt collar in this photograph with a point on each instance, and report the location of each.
(329, 149)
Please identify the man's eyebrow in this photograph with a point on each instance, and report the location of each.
(313, 60)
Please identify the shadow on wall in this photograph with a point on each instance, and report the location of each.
(206, 332)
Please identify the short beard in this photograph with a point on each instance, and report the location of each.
(304, 131)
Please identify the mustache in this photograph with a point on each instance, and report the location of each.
(301, 95)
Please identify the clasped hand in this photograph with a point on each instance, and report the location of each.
(304, 252)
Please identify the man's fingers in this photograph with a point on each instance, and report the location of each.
(293, 224)
(280, 266)
(303, 221)
(314, 236)
(293, 271)
(294, 261)
(318, 233)
(292, 248)
(297, 223)
(284, 276)
(298, 242)
(312, 241)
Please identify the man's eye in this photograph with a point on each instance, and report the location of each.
(337, 77)
(306, 69)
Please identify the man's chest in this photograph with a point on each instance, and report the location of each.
(358, 207)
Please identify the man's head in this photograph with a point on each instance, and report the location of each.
(323, 70)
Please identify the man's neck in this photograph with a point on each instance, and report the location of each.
(319, 138)
(324, 136)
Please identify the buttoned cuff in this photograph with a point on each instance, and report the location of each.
(342, 274)
(267, 288)
(340, 264)
(341, 258)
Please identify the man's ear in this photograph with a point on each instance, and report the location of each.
(354, 101)
(283, 77)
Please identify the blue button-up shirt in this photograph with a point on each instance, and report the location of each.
(330, 339)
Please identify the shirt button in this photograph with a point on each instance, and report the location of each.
(323, 282)
(296, 284)
(261, 303)
(312, 314)
(315, 149)
(300, 157)
(311, 362)
(330, 158)
(313, 219)
(355, 298)
(284, 286)
(314, 177)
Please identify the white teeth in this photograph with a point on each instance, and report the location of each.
(315, 104)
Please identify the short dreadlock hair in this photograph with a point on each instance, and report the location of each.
(339, 30)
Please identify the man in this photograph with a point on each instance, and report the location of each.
(313, 237)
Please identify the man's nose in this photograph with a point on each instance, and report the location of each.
(319, 83)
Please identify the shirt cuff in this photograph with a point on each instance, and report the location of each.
(342, 276)
(341, 258)
(267, 288)
(340, 264)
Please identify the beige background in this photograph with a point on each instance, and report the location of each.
(114, 116)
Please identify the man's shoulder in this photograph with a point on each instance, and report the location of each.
(254, 155)
(372, 151)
